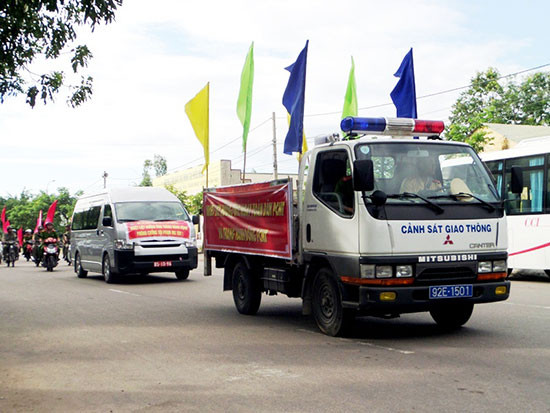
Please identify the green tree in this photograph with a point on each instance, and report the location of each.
(160, 165)
(23, 210)
(146, 176)
(193, 203)
(30, 29)
(490, 100)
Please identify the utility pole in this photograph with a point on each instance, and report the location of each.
(274, 147)
(105, 175)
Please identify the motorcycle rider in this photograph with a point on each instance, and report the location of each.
(10, 236)
(36, 248)
(27, 239)
(66, 241)
(49, 232)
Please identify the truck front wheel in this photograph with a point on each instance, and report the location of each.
(331, 318)
(246, 290)
(452, 316)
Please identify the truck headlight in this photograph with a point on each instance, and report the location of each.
(367, 271)
(484, 266)
(402, 271)
(500, 266)
(121, 244)
(384, 271)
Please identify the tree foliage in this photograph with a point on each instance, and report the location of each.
(193, 203)
(46, 28)
(22, 211)
(158, 164)
(489, 99)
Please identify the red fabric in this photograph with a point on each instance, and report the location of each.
(51, 213)
(4, 219)
(38, 222)
(20, 236)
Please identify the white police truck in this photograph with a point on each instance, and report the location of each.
(396, 222)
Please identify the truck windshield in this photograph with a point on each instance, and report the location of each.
(150, 211)
(441, 173)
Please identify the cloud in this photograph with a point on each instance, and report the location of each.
(158, 55)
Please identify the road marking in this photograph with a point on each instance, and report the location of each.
(529, 305)
(364, 343)
(124, 292)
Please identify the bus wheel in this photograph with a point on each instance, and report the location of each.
(331, 318)
(452, 316)
(247, 293)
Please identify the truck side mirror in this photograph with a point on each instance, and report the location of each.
(517, 180)
(107, 221)
(195, 219)
(363, 175)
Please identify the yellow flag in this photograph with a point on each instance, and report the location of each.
(198, 113)
(304, 142)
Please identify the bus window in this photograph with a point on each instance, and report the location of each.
(531, 198)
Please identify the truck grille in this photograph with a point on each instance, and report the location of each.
(445, 274)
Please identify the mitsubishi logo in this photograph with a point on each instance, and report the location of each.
(448, 240)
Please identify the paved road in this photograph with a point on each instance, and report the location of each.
(156, 344)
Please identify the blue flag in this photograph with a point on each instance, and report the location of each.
(403, 94)
(293, 101)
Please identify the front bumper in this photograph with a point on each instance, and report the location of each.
(412, 299)
(127, 262)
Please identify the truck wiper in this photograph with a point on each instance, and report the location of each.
(429, 203)
(458, 195)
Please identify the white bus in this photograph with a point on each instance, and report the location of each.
(529, 212)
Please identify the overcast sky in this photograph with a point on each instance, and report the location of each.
(158, 55)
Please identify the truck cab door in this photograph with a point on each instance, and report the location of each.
(330, 219)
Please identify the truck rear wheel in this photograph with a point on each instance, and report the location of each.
(246, 290)
(452, 316)
(328, 312)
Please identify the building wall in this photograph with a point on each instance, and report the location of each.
(220, 173)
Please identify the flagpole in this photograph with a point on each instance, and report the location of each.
(274, 147)
(244, 164)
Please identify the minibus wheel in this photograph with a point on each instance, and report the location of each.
(182, 274)
(80, 272)
(107, 271)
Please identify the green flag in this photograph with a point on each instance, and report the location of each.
(350, 101)
(244, 103)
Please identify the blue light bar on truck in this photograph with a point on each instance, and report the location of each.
(392, 126)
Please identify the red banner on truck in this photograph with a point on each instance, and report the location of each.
(250, 218)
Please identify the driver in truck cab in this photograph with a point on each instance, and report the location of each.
(425, 177)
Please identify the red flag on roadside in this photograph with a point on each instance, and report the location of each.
(4, 219)
(38, 222)
(51, 213)
(20, 236)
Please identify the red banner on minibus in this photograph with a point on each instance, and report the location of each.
(151, 229)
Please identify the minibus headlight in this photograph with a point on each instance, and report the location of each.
(121, 244)
(384, 271)
(189, 244)
(500, 266)
(484, 266)
(367, 271)
(402, 271)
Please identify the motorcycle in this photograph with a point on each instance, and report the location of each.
(51, 254)
(27, 249)
(67, 253)
(11, 254)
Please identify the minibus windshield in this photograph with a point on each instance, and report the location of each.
(150, 211)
